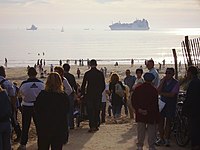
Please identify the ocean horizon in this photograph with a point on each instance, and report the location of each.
(22, 47)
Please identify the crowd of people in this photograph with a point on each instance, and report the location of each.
(52, 104)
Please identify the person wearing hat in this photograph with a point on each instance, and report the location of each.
(92, 88)
(145, 102)
(168, 91)
(29, 90)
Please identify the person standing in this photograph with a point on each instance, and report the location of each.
(116, 99)
(51, 109)
(150, 67)
(168, 91)
(5, 124)
(191, 106)
(71, 79)
(78, 72)
(29, 90)
(129, 80)
(92, 88)
(9, 87)
(145, 103)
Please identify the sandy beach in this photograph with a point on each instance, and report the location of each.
(111, 136)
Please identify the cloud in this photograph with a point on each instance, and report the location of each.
(23, 1)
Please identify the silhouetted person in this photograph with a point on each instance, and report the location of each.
(92, 87)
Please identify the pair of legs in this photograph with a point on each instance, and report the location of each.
(93, 110)
(103, 112)
(164, 127)
(116, 110)
(5, 135)
(55, 142)
(151, 131)
(27, 114)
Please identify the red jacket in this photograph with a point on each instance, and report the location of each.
(145, 97)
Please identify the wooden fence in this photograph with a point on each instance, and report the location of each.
(191, 51)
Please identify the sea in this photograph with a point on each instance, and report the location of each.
(23, 47)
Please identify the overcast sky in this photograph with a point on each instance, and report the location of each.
(99, 13)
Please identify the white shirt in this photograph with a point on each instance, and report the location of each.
(104, 95)
(29, 90)
(8, 86)
(156, 81)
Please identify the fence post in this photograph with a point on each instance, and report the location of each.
(175, 63)
(188, 50)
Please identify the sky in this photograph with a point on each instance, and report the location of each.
(99, 13)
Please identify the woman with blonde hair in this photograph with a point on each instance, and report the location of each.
(52, 106)
(116, 98)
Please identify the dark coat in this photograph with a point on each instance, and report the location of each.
(145, 97)
(51, 113)
(93, 84)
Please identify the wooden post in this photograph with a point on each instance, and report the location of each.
(188, 50)
(175, 63)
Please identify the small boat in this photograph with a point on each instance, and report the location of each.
(33, 27)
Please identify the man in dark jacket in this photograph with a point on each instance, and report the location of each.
(92, 87)
(191, 104)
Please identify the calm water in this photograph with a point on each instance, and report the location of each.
(21, 47)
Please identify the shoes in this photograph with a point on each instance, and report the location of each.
(21, 147)
(160, 142)
(167, 143)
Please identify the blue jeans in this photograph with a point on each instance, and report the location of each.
(5, 136)
(116, 110)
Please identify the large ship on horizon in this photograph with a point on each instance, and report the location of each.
(136, 25)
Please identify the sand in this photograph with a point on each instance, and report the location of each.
(111, 136)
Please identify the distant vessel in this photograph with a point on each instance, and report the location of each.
(33, 27)
(62, 30)
(136, 25)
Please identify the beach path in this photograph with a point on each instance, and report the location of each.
(109, 137)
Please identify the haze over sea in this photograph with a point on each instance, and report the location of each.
(21, 47)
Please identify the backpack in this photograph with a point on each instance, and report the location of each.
(5, 109)
(119, 90)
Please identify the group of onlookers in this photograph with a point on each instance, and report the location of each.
(51, 104)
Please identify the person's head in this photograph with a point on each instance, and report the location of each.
(54, 83)
(128, 72)
(192, 72)
(32, 72)
(114, 78)
(66, 67)
(150, 64)
(169, 73)
(93, 63)
(139, 72)
(2, 71)
(148, 77)
(59, 70)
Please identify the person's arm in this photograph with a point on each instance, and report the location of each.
(67, 87)
(173, 93)
(83, 86)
